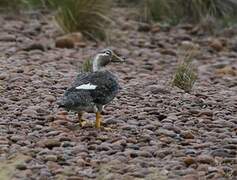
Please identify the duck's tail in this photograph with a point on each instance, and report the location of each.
(61, 104)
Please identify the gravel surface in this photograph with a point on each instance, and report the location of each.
(158, 131)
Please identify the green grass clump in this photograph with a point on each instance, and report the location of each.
(176, 11)
(17, 5)
(87, 66)
(90, 17)
(185, 75)
(6, 5)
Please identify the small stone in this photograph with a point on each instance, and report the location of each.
(16, 138)
(165, 132)
(7, 37)
(3, 76)
(163, 153)
(190, 152)
(29, 113)
(64, 43)
(189, 160)
(103, 147)
(143, 27)
(227, 70)
(234, 46)
(216, 45)
(51, 158)
(81, 162)
(155, 28)
(168, 52)
(50, 98)
(144, 154)
(187, 135)
(190, 177)
(75, 178)
(222, 153)
(50, 143)
(21, 166)
(69, 40)
(129, 127)
(205, 159)
(206, 113)
(34, 46)
(157, 89)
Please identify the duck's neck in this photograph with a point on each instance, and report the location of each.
(96, 64)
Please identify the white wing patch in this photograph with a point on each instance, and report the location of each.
(88, 86)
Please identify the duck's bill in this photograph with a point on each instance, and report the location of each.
(116, 58)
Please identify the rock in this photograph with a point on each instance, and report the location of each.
(143, 27)
(68, 144)
(50, 98)
(165, 132)
(131, 153)
(104, 147)
(168, 52)
(234, 173)
(44, 174)
(157, 89)
(190, 177)
(34, 46)
(3, 76)
(183, 38)
(69, 40)
(21, 166)
(7, 37)
(50, 143)
(53, 166)
(144, 154)
(126, 26)
(155, 28)
(75, 178)
(222, 153)
(51, 158)
(163, 153)
(189, 45)
(227, 70)
(187, 135)
(16, 138)
(149, 67)
(205, 113)
(234, 46)
(189, 160)
(129, 127)
(232, 140)
(216, 45)
(206, 159)
(190, 152)
(29, 113)
(82, 163)
(64, 43)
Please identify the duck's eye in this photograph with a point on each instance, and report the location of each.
(108, 53)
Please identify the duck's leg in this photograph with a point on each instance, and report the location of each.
(98, 122)
(82, 122)
(98, 119)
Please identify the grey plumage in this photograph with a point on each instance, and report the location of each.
(86, 100)
(94, 88)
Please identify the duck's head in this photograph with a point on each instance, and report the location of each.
(105, 57)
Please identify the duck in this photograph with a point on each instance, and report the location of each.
(93, 89)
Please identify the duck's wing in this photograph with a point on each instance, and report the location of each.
(73, 97)
(105, 84)
(92, 88)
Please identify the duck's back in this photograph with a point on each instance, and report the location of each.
(105, 83)
(97, 87)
